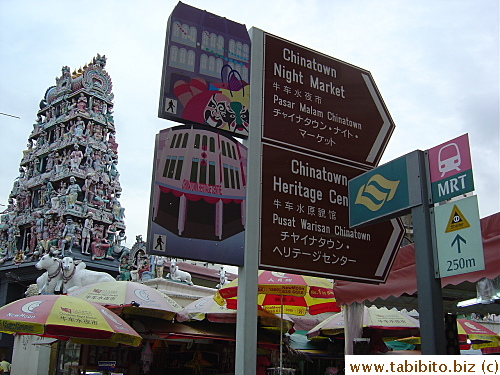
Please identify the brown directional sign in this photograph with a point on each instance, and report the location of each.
(324, 122)
(318, 103)
(305, 221)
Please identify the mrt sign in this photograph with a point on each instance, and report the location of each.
(450, 169)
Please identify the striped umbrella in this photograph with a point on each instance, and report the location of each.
(64, 317)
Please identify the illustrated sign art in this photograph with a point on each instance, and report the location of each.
(198, 195)
(450, 169)
(206, 71)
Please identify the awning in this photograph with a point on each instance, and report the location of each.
(401, 286)
(198, 330)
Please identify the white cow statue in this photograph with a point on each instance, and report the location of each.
(177, 275)
(75, 275)
(50, 281)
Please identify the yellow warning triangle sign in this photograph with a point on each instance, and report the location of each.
(457, 220)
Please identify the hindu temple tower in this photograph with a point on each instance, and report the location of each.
(66, 198)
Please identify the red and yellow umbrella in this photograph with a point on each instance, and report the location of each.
(65, 317)
(286, 293)
(129, 297)
(476, 334)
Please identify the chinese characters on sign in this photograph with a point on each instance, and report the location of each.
(305, 224)
(322, 104)
(323, 124)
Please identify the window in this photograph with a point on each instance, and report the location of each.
(220, 44)
(211, 64)
(185, 140)
(212, 144)
(218, 66)
(204, 39)
(246, 52)
(173, 140)
(194, 170)
(167, 164)
(239, 50)
(231, 173)
(231, 47)
(213, 41)
(226, 175)
(190, 61)
(237, 172)
(203, 63)
(182, 56)
(172, 167)
(174, 55)
(176, 30)
(211, 173)
(203, 172)
(234, 152)
(223, 148)
(184, 31)
(179, 139)
(193, 35)
(204, 142)
(178, 170)
(197, 141)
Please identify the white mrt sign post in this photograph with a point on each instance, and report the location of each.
(458, 237)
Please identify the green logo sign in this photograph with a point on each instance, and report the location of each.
(383, 193)
(377, 191)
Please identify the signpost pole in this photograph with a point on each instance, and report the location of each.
(246, 318)
(430, 300)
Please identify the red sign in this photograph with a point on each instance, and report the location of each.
(305, 223)
(317, 103)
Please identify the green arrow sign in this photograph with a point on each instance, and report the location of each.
(458, 237)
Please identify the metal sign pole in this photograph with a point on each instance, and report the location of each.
(246, 319)
(430, 299)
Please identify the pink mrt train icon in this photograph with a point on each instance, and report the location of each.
(449, 158)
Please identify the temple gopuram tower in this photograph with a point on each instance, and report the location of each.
(66, 198)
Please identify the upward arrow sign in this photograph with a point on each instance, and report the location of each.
(457, 240)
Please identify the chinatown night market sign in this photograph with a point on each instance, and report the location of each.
(324, 123)
(321, 104)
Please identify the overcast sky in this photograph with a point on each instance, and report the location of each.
(435, 63)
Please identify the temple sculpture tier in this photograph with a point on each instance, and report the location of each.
(66, 197)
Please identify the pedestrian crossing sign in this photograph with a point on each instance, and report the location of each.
(160, 242)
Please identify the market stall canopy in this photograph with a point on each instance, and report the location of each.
(401, 286)
(373, 317)
(207, 308)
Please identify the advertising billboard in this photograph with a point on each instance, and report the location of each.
(197, 208)
(206, 71)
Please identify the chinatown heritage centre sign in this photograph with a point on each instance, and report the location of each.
(324, 123)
